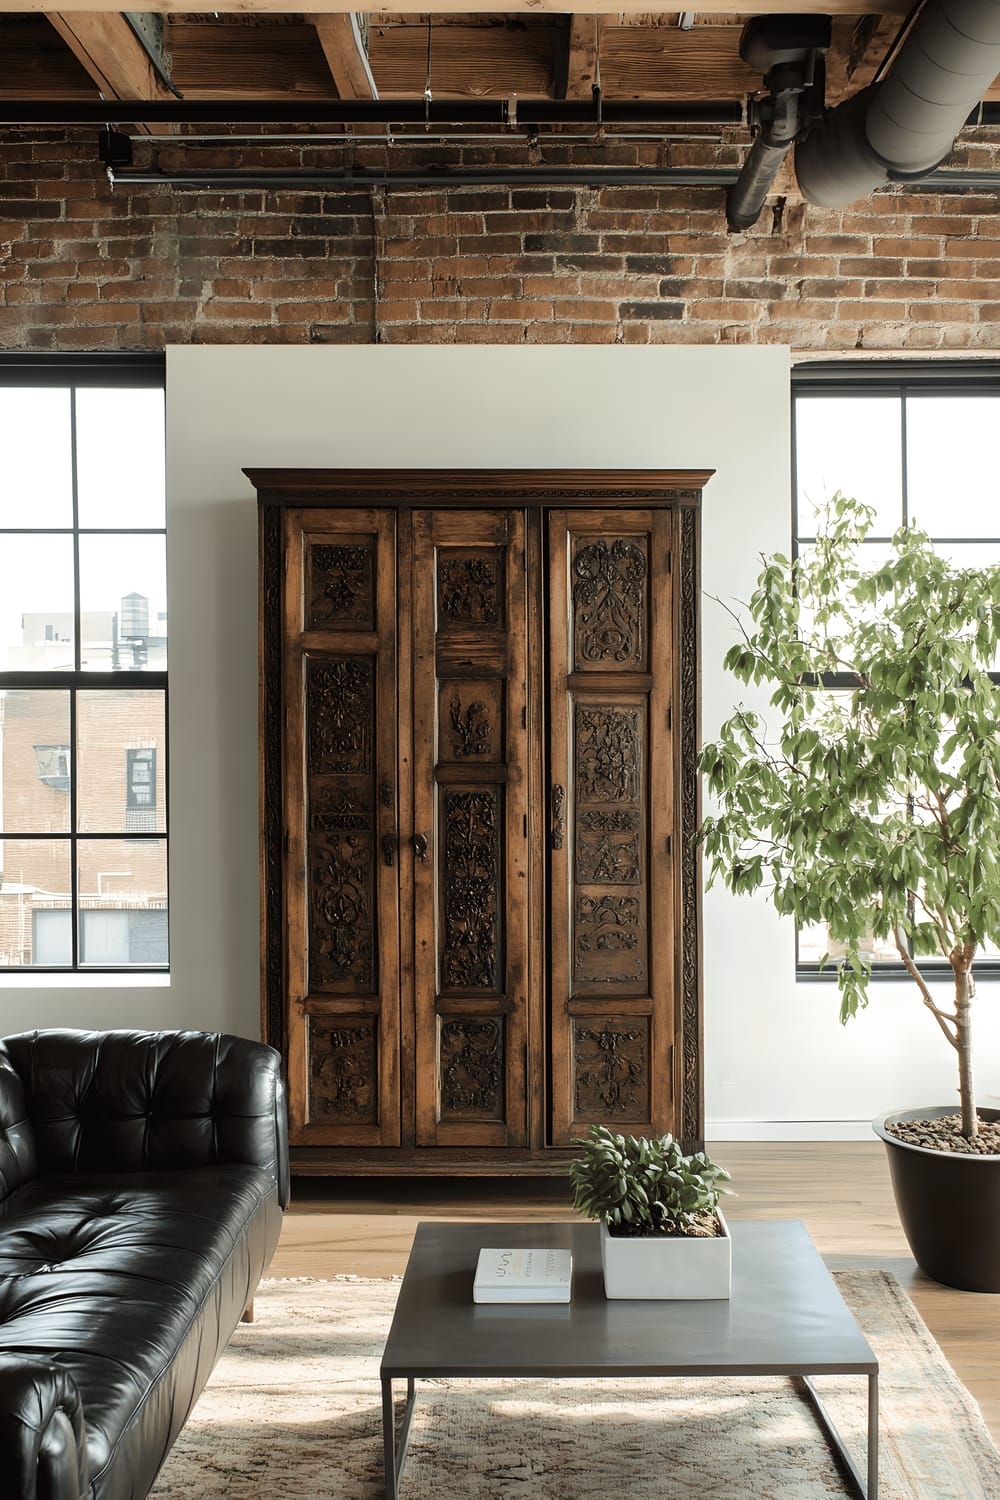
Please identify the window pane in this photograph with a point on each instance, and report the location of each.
(119, 450)
(35, 766)
(123, 603)
(122, 762)
(853, 445)
(815, 940)
(122, 888)
(36, 469)
(953, 487)
(36, 603)
(35, 903)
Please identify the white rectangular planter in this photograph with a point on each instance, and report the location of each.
(667, 1267)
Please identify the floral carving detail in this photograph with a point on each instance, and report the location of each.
(343, 1072)
(473, 731)
(607, 754)
(471, 883)
(341, 945)
(610, 1069)
(609, 601)
(471, 1067)
(469, 590)
(340, 585)
(340, 706)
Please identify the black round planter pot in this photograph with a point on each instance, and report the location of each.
(948, 1203)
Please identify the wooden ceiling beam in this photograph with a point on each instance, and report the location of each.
(555, 8)
(467, 62)
(667, 63)
(110, 52)
(346, 55)
(858, 49)
(581, 56)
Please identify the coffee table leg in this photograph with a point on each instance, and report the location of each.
(873, 1436)
(867, 1491)
(394, 1450)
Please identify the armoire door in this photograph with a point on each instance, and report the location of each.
(469, 848)
(611, 811)
(340, 819)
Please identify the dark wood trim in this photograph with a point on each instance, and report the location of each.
(271, 823)
(430, 1161)
(692, 1106)
(471, 487)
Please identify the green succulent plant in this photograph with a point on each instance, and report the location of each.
(641, 1186)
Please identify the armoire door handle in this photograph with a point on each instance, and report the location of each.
(420, 846)
(558, 823)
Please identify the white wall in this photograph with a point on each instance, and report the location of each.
(776, 1060)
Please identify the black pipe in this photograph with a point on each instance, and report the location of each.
(334, 177)
(789, 50)
(903, 127)
(369, 112)
(748, 194)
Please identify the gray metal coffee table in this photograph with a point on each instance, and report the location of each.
(785, 1317)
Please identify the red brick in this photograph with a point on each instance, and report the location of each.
(584, 311)
(942, 312)
(870, 310)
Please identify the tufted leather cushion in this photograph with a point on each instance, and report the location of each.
(127, 1100)
(17, 1136)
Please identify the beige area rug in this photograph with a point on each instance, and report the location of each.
(293, 1412)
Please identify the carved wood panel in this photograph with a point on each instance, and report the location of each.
(343, 1070)
(470, 721)
(472, 1068)
(340, 584)
(340, 733)
(610, 603)
(471, 889)
(610, 822)
(470, 589)
(611, 1070)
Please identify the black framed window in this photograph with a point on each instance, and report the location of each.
(916, 441)
(83, 664)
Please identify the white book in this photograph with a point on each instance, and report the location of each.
(541, 1275)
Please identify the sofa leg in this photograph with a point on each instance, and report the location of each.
(248, 1312)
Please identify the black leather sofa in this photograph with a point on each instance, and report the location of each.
(142, 1175)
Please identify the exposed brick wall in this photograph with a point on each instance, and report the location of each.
(85, 266)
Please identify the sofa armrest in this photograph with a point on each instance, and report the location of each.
(130, 1101)
(43, 1453)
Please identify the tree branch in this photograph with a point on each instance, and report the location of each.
(944, 1020)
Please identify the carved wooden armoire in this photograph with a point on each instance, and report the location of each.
(479, 708)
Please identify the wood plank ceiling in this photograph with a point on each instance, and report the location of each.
(251, 50)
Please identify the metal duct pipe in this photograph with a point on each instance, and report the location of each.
(906, 125)
(789, 51)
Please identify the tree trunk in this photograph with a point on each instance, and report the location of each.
(961, 962)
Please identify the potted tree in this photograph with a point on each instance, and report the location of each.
(662, 1235)
(874, 810)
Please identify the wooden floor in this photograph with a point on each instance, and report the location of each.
(840, 1189)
